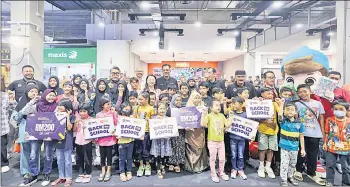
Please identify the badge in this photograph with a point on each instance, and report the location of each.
(19, 85)
(234, 89)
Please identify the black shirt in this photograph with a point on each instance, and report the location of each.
(163, 83)
(215, 84)
(207, 101)
(184, 101)
(232, 90)
(19, 86)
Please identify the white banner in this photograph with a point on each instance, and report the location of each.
(243, 127)
(130, 127)
(325, 88)
(163, 128)
(98, 127)
(259, 109)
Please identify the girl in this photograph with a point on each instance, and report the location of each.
(196, 153)
(126, 147)
(161, 148)
(101, 91)
(85, 94)
(26, 106)
(178, 157)
(106, 143)
(83, 147)
(144, 111)
(150, 85)
(76, 80)
(64, 147)
(54, 84)
(69, 93)
(123, 93)
(184, 94)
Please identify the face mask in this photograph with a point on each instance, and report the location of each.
(126, 112)
(339, 113)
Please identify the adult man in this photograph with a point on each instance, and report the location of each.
(142, 80)
(92, 82)
(213, 83)
(18, 86)
(113, 83)
(339, 93)
(240, 77)
(269, 81)
(165, 80)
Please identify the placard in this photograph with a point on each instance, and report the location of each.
(163, 128)
(46, 126)
(188, 116)
(259, 109)
(325, 88)
(243, 127)
(130, 127)
(98, 127)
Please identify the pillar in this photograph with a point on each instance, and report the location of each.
(27, 37)
(343, 39)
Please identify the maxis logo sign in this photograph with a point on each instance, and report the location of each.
(71, 55)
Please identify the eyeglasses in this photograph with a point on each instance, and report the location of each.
(115, 73)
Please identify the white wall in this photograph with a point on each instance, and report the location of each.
(230, 66)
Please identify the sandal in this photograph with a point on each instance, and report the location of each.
(177, 169)
(68, 182)
(107, 177)
(58, 182)
(318, 180)
(102, 177)
(160, 175)
(171, 168)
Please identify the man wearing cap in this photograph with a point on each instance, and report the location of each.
(165, 80)
(240, 77)
(18, 86)
(213, 83)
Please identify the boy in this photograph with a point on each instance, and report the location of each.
(133, 99)
(171, 91)
(243, 93)
(336, 142)
(203, 90)
(134, 84)
(311, 115)
(267, 137)
(286, 93)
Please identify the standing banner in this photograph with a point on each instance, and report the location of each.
(98, 127)
(325, 88)
(163, 128)
(188, 116)
(46, 126)
(130, 127)
(259, 109)
(243, 127)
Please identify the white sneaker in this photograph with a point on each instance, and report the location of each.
(5, 169)
(242, 175)
(261, 172)
(270, 173)
(233, 174)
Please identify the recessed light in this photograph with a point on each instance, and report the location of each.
(277, 4)
(145, 5)
(330, 34)
(198, 24)
(299, 25)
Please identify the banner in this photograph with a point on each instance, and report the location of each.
(46, 126)
(259, 109)
(243, 127)
(188, 116)
(98, 127)
(130, 127)
(325, 88)
(163, 128)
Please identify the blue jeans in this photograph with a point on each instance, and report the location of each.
(34, 157)
(24, 158)
(64, 163)
(237, 151)
(125, 155)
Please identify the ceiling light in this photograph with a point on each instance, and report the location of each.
(145, 5)
(142, 33)
(277, 4)
(299, 25)
(101, 24)
(181, 33)
(197, 23)
(220, 33)
(236, 33)
(330, 33)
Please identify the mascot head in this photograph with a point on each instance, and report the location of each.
(304, 66)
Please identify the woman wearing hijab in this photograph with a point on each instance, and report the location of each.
(76, 80)
(123, 94)
(102, 90)
(54, 83)
(85, 95)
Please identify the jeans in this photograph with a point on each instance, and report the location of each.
(237, 151)
(217, 148)
(143, 148)
(4, 160)
(84, 161)
(331, 160)
(125, 155)
(106, 153)
(288, 162)
(311, 149)
(34, 157)
(64, 163)
(24, 158)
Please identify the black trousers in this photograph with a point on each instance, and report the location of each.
(310, 160)
(161, 162)
(143, 148)
(4, 160)
(106, 153)
(84, 158)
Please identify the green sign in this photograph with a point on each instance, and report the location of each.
(70, 55)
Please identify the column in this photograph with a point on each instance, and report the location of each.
(343, 39)
(27, 37)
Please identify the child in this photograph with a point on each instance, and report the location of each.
(144, 111)
(69, 93)
(216, 122)
(291, 133)
(102, 90)
(161, 148)
(83, 147)
(64, 147)
(268, 130)
(243, 93)
(185, 94)
(133, 99)
(126, 147)
(106, 143)
(336, 141)
(204, 90)
(164, 98)
(311, 115)
(171, 90)
(54, 84)
(286, 93)
(237, 143)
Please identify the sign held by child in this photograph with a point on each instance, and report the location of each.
(325, 88)
(259, 109)
(130, 127)
(243, 127)
(99, 127)
(187, 117)
(163, 128)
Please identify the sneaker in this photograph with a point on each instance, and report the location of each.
(79, 179)
(298, 176)
(242, 175)
(148, 170)
(86, 179)
(225, 177)
(46, 180)
(261, 172)
(26, 176)
(215, 179)
(293, 182)
(29, 181)
(123, 177)
(284, 183)
(338, 168)
(233, 174)
(329, 184)
(5, 169)
(141, 170)
(270, 173)
(128, 176)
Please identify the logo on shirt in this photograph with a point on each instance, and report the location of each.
(19, 85)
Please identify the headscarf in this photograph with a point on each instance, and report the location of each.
(126, 91)
(74, 77)
(43, 105)
(192, 96)
(25, 99)
(100, 94)
(57, 88)
(81, 94)
(173, 99)
(191, 87)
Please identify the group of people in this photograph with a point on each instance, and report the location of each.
(288, 143)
